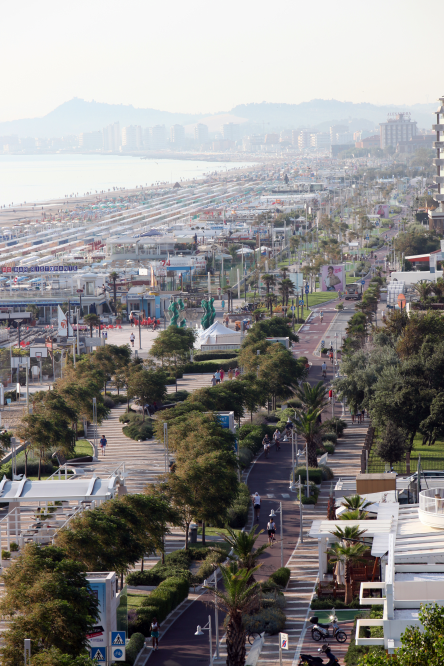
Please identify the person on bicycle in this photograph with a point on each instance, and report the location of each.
(276, 438)
(288, 427)
(266, 443)
(271, 529)
(322, 316)
(330, 356)
(324, 370)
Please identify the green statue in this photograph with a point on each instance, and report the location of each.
(212, 311)
(209, 314)
(174, 309)
(183, 321)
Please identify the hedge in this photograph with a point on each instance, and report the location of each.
(281, 576)
(178, 396)
(316, 474)
(209, 366)
(238, 511)
(133, 647)
(328, 603)
(32, 469)
(159, 604)
(139, 429)
(336, 426)
(215, 355)
(330, 437)
(271, 620)
(314, 494)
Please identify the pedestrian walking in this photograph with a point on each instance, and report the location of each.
(222, 374)
(230, 373)
(217, 375)
(236, 373)
(352, 414)
(324, 370)
(276, 438)
(103, 444)
(155, 626)
(131, 319)
(330, 395)
(256, 505)
(266, 443)
(132, 338)
(213, 380)
(271, 529)
(358, 415)
(321, 316)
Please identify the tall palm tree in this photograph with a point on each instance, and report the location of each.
(243, 547)
(91, 320)
(286, 289)
(308, 426)
(349, 534)
(269, 281)
(237, 598)
(114, 277)
(424, 289)
(312, 397)
(348, 555)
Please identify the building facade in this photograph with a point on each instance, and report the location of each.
(91, 140)
(177, 135)
(111, 137)
(201, 133)
(436, 217)
(398, 128)
(132, 138)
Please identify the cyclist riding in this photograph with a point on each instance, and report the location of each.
(266, 443)
(322, 316)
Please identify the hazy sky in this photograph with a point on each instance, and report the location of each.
(198, 56)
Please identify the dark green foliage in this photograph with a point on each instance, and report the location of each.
(139, 429)
(32, 469)
(314, 494)
(177, 396)
(238, 511)
(168, 595)
(356, 652)
(210, 366)
(215, 355)
(336, 425)
(135, 644)
(392, 445)
(314, 474)
(281, 576)
(328, 602)
(330, 437)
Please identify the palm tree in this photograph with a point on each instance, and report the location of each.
(355, 502)
(286, 289)
(308, 426)
(348, 534)
(348, 555)
(269, 281)
(312, 397)
(237, 598)
(424, 289)
(113, 277)
(354, 514)
(242, 545)
(92, 320)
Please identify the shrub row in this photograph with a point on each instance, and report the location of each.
(315, 474)
(271, 620)
(210, 366)
(328, 602)
(336, 426)
(137, 428)
(314, 494)
(215, 355)
(238, 511)
(32, 469)
(176, 566)
(281, 576)
(168, 595)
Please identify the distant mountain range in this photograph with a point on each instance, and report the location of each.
(77, 115)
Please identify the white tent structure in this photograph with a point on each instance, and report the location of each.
(217, 333)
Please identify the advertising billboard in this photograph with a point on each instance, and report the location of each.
(97, 636)
(382, 210)
(333, 278)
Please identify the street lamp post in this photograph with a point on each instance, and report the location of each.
(272, 515)
(216, 612)
(200, 631)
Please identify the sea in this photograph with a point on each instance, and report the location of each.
(41, 178)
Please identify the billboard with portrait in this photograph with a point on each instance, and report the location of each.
(333, 278)
(382, 210)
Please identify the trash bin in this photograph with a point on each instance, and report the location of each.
(193, 533)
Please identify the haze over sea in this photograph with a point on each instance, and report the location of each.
(39, 178)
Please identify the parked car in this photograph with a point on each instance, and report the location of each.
(428, 474)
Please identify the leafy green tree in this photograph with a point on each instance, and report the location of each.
(392, 445)
(55, 657)
(420, 646)
(243, 547)
(276, 327)
(147, 386)
(49, 601)
(280, 372)
(347, 555)
(173, 345)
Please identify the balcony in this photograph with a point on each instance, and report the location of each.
(438, 128)
(431, 505)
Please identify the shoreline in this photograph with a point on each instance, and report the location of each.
(34, 211)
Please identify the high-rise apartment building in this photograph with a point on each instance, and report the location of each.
(111, 137)
(334, 131)
(201, 133)
(320, 140)
(132, 137)
(91, 140)
(398, 128)
(436, 217)
(304, 139)
(231, 131)
(177, 135)
(158, 137)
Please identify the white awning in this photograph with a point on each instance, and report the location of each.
(54, 490)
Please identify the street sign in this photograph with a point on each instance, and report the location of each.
(292, 308)
(80, 291)
(98, 653)
(283, 641)
(118, 638)
(118, 654)
(301, 302)
(362, 281)
(307, 289)
(322, 344)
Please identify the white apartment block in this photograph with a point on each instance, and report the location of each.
(177, 134)
(231, 131)
(158, 137)
(304, 139)
(201, 133)
(334, 131)
(132, 137)
(111, 137)
(320, 140)
(398, 128)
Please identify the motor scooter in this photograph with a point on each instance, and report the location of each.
(318, 661)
